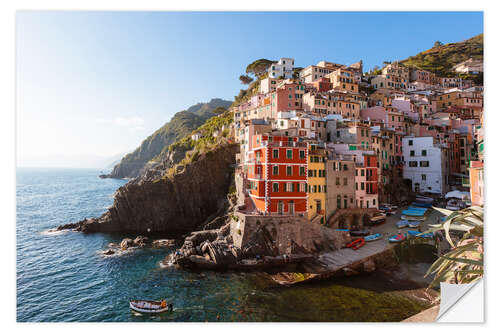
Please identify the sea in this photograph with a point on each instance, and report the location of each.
(64, 277)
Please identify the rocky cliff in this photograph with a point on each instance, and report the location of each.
(181, 124)
(170, 204)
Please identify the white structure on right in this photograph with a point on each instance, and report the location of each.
(282, 68)
(425, 164)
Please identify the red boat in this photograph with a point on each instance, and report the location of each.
(356, 244)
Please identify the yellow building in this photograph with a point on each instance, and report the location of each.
(316, 183)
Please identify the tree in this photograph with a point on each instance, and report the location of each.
(245, 79)
(464, 263)
(438, 43)
(258, 67)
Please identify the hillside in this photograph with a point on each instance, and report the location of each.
(441, 58)
(181, 124)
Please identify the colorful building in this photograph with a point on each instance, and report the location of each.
(277, 174)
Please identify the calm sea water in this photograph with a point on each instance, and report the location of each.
(63, 277)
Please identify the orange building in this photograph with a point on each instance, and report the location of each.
(277, 174)
(476, 174)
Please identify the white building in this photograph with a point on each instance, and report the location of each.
(425, 164)
(284, 67)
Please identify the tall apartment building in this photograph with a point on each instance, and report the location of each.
(277, 174)
(282, 68)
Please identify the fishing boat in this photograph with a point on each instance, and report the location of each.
(145, 306)
(402, 224)
(413, 218)
(363, 232)
(356, 244)
(397, 238)
(454, 205)
(373, 237)
(414, 224)
(415, 233)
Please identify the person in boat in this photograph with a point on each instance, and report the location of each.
(163, 303)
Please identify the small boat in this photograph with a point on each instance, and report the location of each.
(413, 224)
(363, 232)
(414, 233)
(424, 199)
(402, 224)
(397, 238)
(421, 204)
(342, 230)
(454, 205)
(373, 237)
(145, 306)
(356, 244)
(378, 219)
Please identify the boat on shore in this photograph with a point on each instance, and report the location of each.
(145, 306)
(414, 224)
(377, 219)
(402, 224)
(414, 233)
(357, 233)
(397, 238)
(373, 237)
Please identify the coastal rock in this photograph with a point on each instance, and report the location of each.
(161, 243)
(369, 266)
(170, 206)
(140, 241)
(126, 243)
(108, 252)
(349, 271)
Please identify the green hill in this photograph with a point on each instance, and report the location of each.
(441, 58)
(181, 124)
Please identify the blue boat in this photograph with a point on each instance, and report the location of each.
(412, 212)
(421, 204)
(414, 224)
(402, 224)
(373, 237)
(397, 238)
(418, 209)
(415, 233)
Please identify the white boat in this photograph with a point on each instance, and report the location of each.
(144, 306)
(454, 205)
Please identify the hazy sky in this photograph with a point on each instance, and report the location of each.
(91, 85)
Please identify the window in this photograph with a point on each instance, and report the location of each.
(324, 188)
(424, 152)
(362, 186)
(302, 171)
(288, 170)
(413, 164)
(410, 142)
(338, 201)
(356, 186)
(289, 153)
(275, 170)
(257, 155)
(362, 172)
(302, 154)
(424, 176)
(345, 167)
(424, 163)
(276, 187)
(345, 181)
(315, 187)
(276, 153)
(412, 153)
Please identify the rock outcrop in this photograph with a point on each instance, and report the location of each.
(157, 204)
(276, 242)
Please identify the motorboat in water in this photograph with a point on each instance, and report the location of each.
(145, 306)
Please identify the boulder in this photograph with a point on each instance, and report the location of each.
(126, 243)
(140, 241)
(108, 252)
(160, 243)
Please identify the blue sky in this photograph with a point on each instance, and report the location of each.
(91, 85)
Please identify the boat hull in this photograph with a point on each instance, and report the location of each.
(136, 308)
